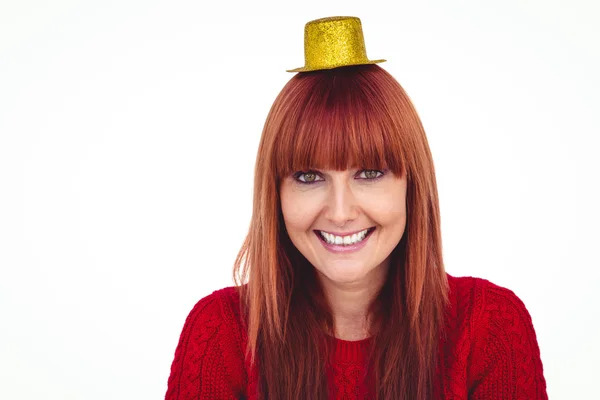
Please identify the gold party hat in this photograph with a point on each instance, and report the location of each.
(333, 42)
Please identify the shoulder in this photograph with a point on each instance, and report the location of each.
(503, 344)
(220, 307)
(468, 285)
(487, 305)
(486, 299)
(216, 318)
(210, 353)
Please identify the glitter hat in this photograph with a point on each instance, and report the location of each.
(333, 42)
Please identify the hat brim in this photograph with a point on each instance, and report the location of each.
(306, 69)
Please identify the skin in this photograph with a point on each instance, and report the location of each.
(346, 201)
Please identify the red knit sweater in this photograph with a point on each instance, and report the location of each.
(489, 351)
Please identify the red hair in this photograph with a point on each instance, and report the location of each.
(350, 117)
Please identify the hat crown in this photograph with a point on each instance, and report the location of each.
(333, 42)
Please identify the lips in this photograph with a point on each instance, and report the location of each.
(342, 248)
(342, 234)
(346, 238)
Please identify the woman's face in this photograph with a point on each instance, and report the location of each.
(346, 223)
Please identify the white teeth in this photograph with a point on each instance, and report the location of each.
(345, 240)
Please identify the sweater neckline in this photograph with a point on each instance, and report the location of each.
(349, 350)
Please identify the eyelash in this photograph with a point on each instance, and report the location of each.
(299, 174)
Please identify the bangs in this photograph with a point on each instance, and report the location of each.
(336, 120)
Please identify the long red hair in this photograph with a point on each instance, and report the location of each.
(350, 117)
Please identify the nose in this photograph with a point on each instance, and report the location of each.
(341, 206)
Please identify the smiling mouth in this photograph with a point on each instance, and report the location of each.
(349, 240)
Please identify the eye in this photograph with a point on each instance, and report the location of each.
(309, 177)
(371, 174)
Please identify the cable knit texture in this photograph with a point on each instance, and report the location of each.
(488, 350)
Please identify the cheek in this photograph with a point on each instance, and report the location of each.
(389, 215)
(388, 208)
(298, 213)
(393, 209)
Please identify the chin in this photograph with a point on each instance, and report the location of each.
(341, 273)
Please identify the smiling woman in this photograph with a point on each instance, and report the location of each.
(341, 289)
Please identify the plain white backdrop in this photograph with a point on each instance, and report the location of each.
(128, 136)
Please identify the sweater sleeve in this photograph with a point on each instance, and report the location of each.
(199, 370)
(506, 363)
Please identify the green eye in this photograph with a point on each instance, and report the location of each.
(310, 176)
(306, 177)
(372, 174)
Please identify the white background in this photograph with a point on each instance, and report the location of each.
(128, 135)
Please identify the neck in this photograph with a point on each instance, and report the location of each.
(350, 302)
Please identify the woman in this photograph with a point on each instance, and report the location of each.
(346, 294)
